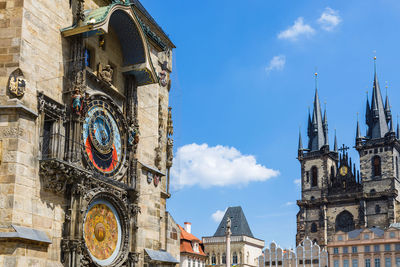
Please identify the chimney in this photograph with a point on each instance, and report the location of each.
(188, 227)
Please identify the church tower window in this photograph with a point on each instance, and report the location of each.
(397, 167)
(314, 228)
(377, 209)
(345, 222)
(314, 176)
(376, 166)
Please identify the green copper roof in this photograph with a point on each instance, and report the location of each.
(96, 15)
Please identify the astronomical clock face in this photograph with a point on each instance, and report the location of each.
(103, 144)
(102, 232)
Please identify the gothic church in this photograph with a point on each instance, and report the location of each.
(334, 195)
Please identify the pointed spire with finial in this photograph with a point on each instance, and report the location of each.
(317, 135)
(335, 148)
(398, 128)
(325, 126)
(375, 117)
(300, 141)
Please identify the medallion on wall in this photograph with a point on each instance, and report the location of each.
(102, 232)
(102, 138)
(17, 83)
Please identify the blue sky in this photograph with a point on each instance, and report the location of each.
(242, 83)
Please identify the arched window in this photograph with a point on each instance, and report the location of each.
(332, 172)
(213, 259)
(377, 209)
(223, 258)
(314, 176)
(314, 228)
(234, 258)
(344, 222)
(376, 166)
(397, 167)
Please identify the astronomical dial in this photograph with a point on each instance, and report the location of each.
(343, 170)
(102, 232)
(101, 134)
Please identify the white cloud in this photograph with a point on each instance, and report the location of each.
(289, 203)
(218, 215)
(276, 63)
(296, 30)
(329, 19)
(216, 166)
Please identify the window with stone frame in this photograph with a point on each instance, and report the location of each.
(234, 258)
(397, 167)
(89, 57)
(314, 176)
(223, 258)
(377, 209)
(345, 222)
(314, 227)
(376, 166)
(52, 138)
(213, 259)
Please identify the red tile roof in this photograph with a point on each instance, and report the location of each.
(186, 243)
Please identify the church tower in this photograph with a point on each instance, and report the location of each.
(318, 163)
(379, 161)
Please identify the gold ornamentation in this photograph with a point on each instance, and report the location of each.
(17, 83)
(343, 171)
(101, 231)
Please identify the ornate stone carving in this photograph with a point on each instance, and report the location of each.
(170, 153)
(133, 257)
(51, 107)
(163, 78)
(105, 73)
(17, 83)
(170, 126)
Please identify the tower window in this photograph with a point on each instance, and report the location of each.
(344, 222)
(377, 209)
(314, 228)
(397, 167)
(376, 166)
(88, 55)
(314, 176)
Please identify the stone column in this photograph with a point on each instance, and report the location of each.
(228, 242)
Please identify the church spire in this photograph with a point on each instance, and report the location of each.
(325, 126)
(316, 133)
(300, 141)
(335, 144)
(398, 129)
(376, 118)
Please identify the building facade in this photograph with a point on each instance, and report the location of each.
(245, 249)
(85, 135)
(367, 247)
(192, 249)
(334, 195)
(306, 254)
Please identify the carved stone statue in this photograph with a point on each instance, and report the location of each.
(106, 73)
(163, 77)
(170, 155)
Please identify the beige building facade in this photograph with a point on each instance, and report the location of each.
(369, 247)
(244, 248)
(85, 135)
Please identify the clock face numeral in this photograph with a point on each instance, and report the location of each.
(101, 135)
(343, 170)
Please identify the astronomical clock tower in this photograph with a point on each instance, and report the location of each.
(85, 135)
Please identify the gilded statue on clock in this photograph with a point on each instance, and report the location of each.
(103, 137)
